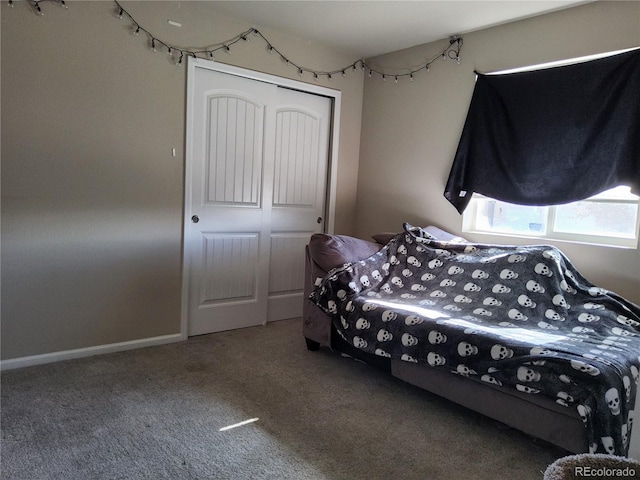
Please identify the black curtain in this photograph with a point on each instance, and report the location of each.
(551, 136)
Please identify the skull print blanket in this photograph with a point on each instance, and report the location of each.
(517, 316)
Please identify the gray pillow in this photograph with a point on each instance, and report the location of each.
(332, 251)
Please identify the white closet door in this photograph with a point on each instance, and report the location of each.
(231, 178)
(257, 183)
(299, 192)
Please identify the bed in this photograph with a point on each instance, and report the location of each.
(512, 332)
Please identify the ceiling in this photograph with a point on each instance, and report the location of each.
(370, 28)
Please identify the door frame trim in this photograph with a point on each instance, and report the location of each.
(332, 180)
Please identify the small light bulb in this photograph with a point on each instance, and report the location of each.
(396, 79)
(153, 45)
(121, 13)
(315, 77)
(384, 77)
(137, 32)
(411, 77)
(300, 72)
(344, 74)
(329, 77)
(270, 48)
(211, 54)
(227, 50)
(169, 52)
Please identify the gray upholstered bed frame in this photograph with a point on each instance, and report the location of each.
(539, 417)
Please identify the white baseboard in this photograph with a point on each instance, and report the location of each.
(29, 361)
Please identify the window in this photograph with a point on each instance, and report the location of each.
(609, 218)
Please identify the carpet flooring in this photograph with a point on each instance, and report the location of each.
(157, 413)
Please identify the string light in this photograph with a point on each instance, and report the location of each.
(36, 4)
(452, 51)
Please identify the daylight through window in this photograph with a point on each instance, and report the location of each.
(609, 218)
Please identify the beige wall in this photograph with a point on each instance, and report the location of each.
(92, 198)
(410, 130)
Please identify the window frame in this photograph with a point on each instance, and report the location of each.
(470, 224)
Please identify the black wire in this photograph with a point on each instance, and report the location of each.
(451, 51)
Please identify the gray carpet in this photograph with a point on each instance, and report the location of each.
(156, 413)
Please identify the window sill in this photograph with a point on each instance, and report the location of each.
(604, 242)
